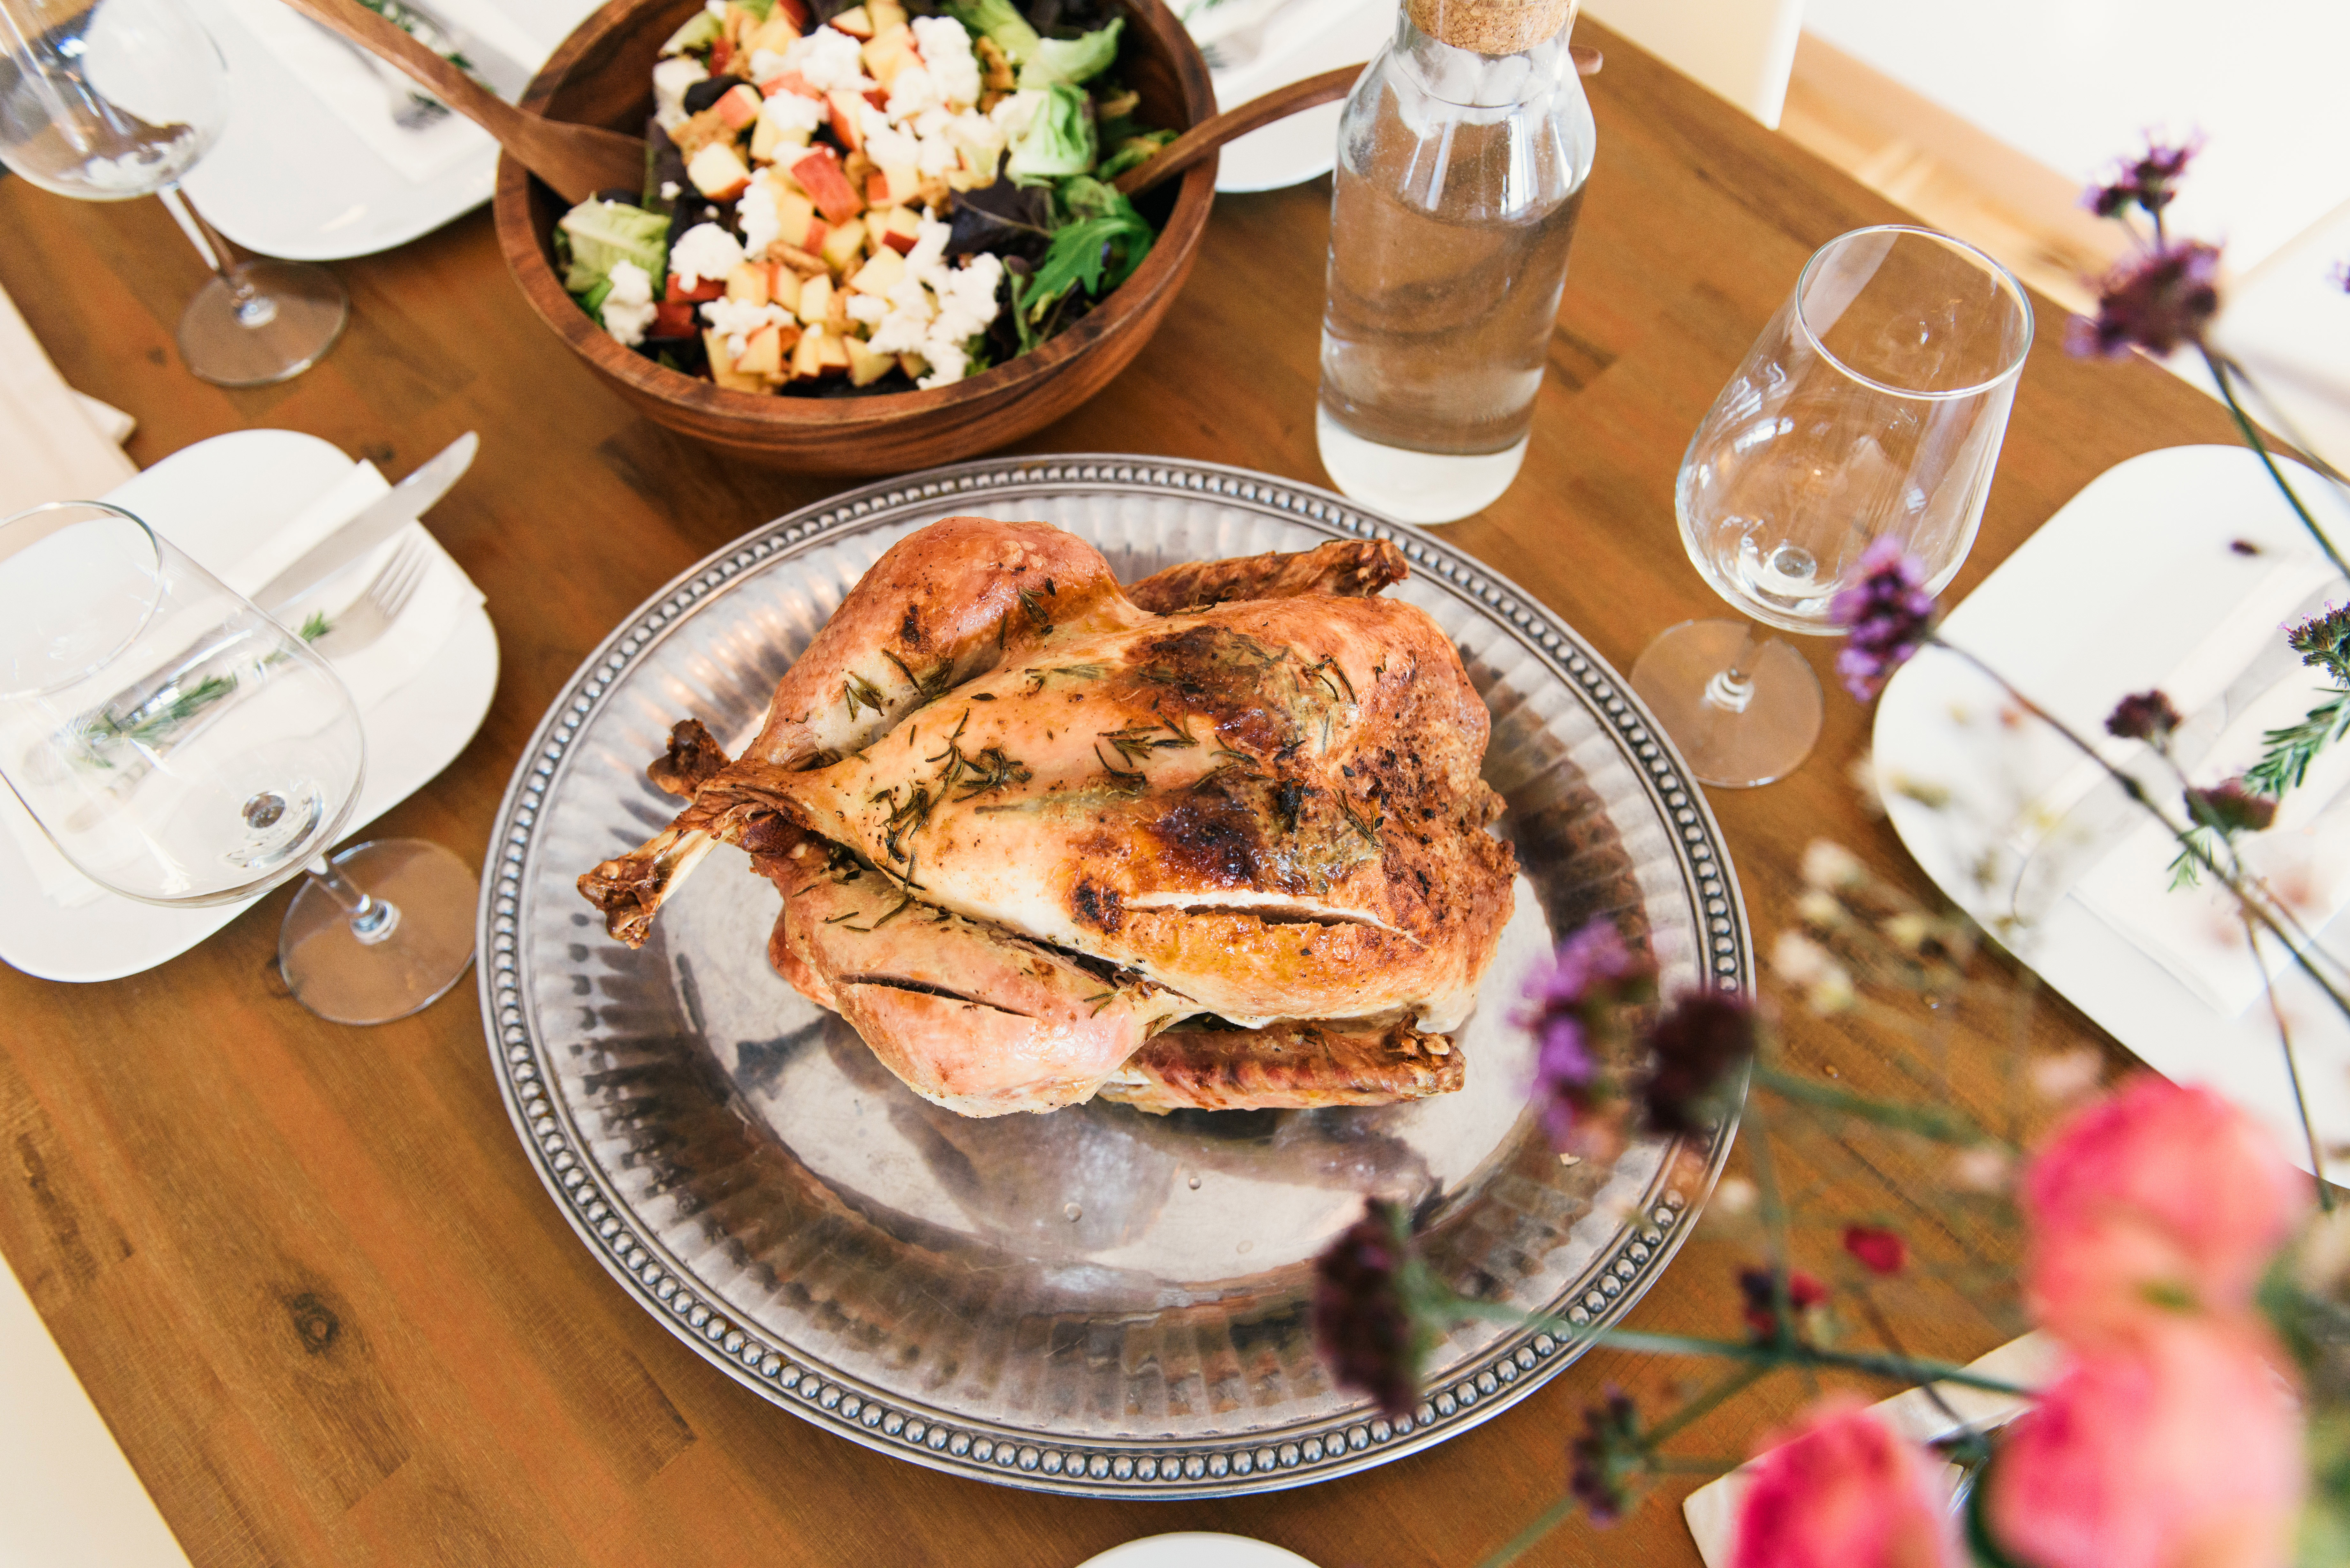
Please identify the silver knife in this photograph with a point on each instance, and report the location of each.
(386, 515)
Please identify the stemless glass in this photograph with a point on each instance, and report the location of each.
(112, 101)
(1873, 404)
(179, 747)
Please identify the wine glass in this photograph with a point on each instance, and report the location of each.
(179, 747)
(116, 100)
(1872, 405)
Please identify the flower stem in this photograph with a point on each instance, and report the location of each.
(1927, 1121)
(1705, 1404)
(2251, 432)
(2291, 1067)
(1550, 1519)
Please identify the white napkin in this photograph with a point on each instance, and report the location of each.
(372, 673)
(54, 443)
(359, 96)
(1713, 1510)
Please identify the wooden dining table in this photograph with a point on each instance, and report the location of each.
(307, 1274)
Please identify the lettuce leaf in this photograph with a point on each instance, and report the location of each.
(600, 232)
(1071, 60)
(1059, 140)
(999, 20)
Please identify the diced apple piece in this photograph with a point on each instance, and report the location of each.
(815, 299)
(831, 352)
(795, 213)
(892, 185)
(881, 275)
(885, 14)
(847, 122)
(807, 356)
(770, 142)
(900, 229)
(673, 319)
(842, 246)
(888, 52)
(857, 22)
(775, 35)
(738, 105)
(762, 355)
(914, 365)
(866, 366)
(748, 284)
(719, 172)
(704, 288)
(790, 81)
(783, 286)
(835, 314)
(819, 176)
(721, 366)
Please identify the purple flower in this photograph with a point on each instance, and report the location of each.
(2149, 181)
(1700, 1041)
(2160, 300)
(1607, 1454)
(1575, 1006)
(2148, 716)
(1887, 616)
(1362, 1326)
(2324, 638)
(2230, 807)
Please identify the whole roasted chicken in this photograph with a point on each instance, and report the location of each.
(1217, 839)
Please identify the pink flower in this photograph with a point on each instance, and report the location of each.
(2157, 1199)
(2178, 1449)
(1843, 1491)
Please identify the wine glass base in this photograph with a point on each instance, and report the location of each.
(295, 317)
(345, 980)
(1732, 743)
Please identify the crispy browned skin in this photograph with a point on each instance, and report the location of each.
(694, 757)
(1291, 1066)
(1349, 568)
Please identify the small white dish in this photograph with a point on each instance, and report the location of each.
(1196, 1549)
(216, 500)
(290, 178)
(2129, 578)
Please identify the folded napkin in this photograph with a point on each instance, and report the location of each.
(1713, 1510)
(358, 95)
(371, 673)
(53, 444)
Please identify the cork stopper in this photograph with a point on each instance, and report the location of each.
(1492, 27)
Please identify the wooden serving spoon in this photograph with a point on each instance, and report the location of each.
(576, 161)
(1263, 110)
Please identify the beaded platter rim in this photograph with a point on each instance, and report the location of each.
(1301, 1454)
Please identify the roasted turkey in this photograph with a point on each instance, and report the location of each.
(1217, 839)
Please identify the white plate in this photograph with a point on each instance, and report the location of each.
(2125, 581)
(1301, 39)
(1196, 1549)
(288, 177)
(216, 500)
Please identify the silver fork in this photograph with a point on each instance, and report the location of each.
(380, 603)
(412, 109)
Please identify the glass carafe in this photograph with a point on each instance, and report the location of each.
(1462, 154)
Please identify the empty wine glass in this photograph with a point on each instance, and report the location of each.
(179, 747)
(1873, 404)
(117, 99)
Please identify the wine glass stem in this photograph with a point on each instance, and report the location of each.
(1733, 689)
(372, 919)
(254, 308)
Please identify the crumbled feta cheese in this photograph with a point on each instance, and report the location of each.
(945, 48)
(926, 260)
(629, 308)
(715, 8)
(1015, 112)
(738, 319)
(949, 364)
(794, 116)
(669, 188)
(908, 296)
(672, 76)
(936, 155)
(703, 250)
(866, 308)
(888, 146)
(761, 219)
(931, 121)
(766, 65)
(974, 134)
(827, 58)
(967, 304)
(912, 92)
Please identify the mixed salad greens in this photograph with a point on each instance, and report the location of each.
(860, 199)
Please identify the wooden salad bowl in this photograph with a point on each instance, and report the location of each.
(602, 75)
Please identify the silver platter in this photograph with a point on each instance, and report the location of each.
(1097, 1300)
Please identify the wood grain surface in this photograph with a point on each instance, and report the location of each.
(305, 1271)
